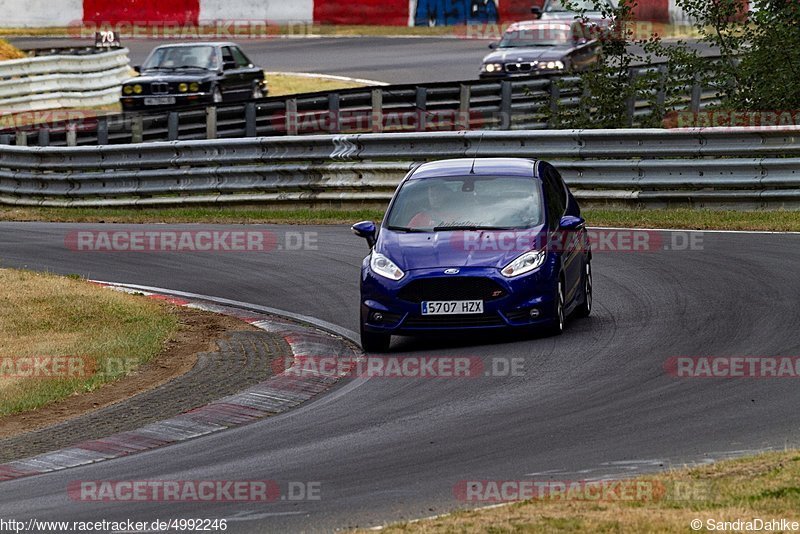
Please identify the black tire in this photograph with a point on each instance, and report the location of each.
(585, 309)
(557, 326)
(372, 342)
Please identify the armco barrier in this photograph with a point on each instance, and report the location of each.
(514, 104)
(712, 166)
(85, 77)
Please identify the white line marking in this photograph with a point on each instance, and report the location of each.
(768, 232)
(327, 77)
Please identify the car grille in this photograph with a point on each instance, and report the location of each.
(453, 321)
(456, 288)
(159, 88)
(519, 67)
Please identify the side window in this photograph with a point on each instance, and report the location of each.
(555, 194)
(240, 58)
(551, 205)
(551, 177)
(227, 56)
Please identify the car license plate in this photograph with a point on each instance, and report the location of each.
(159, 101)
(452, 307)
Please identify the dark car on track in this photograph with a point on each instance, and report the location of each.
(535, 46)
(493, 243)
(196, 73)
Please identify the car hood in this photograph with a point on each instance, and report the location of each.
(182, 76)
(534, 53)
(495, 248)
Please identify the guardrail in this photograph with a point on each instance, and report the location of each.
(73, 78)
(513, 104)
(700, 167)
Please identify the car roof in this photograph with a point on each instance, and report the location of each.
(217, 44)
(482, 167)
(527, 24)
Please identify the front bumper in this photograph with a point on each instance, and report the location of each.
(534, 291)
(137, 102)
(503, 75)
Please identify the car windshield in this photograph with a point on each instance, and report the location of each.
(575, 6)
(538, 35)
(182, 57)
(470, 203)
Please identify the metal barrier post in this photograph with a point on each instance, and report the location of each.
(334, 125)
(291, 116)
(555, 94)
(250, 126)
(463, 121)
(211, 122)
(376, 121)
(44, 137)
(137, 129)
(506, 96)
(72, 135)
(422, 108)
(21, 138)
(172, 126)
(102, 131)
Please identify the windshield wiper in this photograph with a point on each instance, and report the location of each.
(406, 229)
(473, 227)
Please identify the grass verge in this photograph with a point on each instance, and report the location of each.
(103, 332)
(781, 221)
(764, 486)
(288, 84)
(9, 51)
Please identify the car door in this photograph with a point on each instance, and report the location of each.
(251, 74)
(568, 240)
(233, 82)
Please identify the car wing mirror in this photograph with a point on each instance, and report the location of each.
(137, 69)
(537, 11)
(570, 222)
(368, 230)
(493, 46)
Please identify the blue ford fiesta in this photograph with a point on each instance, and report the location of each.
(475, 244)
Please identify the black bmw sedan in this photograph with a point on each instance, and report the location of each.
(539, 46)
(196, 73)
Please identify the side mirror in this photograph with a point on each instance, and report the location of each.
(137, 68)
(493, 46)
(367, 230)
(537, 11)
(569, 222)
(229, 65)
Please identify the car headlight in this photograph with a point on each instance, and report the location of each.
(194, 86)
(385, 267)
(552, 65)
(183, 87)
(127, 89)
(492, 67)
(525, 263)
(137, 89)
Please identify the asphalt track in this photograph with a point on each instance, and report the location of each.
(384, 59)
(593, 402)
